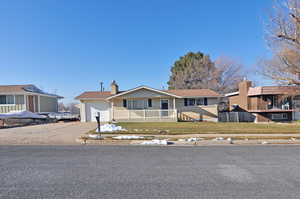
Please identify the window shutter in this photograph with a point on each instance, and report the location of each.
(205, 101)
(185, 102)
(124, 103)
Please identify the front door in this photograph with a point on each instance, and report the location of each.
(164, 105)
(30, 103)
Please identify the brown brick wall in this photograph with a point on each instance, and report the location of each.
(233, 100)
(243, 94)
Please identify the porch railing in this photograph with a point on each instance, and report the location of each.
(145, 114)
(12, 107)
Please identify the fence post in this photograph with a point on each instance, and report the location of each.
(160, 114)
(144, 114)
(227, 116)
(237, 117)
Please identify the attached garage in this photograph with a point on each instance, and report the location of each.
(93, 108)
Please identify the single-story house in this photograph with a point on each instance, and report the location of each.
(148, 104)
(266, 103)
(27, 98)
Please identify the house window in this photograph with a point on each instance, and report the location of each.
(200, 101)
(279, 116)
(137, 104)
(124, 103)
(149, 102)
(191, 102)
(185, 101)
(195, 101)
(7, 99)
(19, 99)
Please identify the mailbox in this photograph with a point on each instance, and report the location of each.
(98, 121)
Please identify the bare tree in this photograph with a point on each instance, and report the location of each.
(73, 108)
(229, 73)
(196, 70)
(62, 107)
(283, 38)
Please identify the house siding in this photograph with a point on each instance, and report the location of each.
(206, 113)
(48, 104)
(144, 93)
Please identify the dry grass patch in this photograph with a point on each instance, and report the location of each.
(179, 128)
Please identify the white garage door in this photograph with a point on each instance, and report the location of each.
(92, 110)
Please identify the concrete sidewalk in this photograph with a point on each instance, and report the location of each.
(211, 136)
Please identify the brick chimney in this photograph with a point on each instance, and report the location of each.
(114, 88)
(244, 87)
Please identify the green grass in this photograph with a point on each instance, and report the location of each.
(181, 128)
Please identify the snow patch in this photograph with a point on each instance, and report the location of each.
(155, 142)
(95, 136)
(21, 115)
(128, 137)
(110, 128)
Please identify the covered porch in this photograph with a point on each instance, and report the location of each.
(145, 115)
(143, 104)
(10, 103)
(144, 109)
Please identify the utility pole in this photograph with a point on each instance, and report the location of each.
(101, 86)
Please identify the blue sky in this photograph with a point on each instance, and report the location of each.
(70, 46)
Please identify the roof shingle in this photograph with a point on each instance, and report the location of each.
(194, 92)
(13, 88)
(23, 89)
(94, 95)
(178, 92)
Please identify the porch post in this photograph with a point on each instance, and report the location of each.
(174, 103)
(174, 108)
(112, 110)
(39, 103)
(25, 102)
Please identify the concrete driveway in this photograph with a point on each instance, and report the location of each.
(50, 134)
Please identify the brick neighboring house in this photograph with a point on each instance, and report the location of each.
(148, 104)
(267, 103)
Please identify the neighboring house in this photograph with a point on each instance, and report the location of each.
(266, 103)
(27, 97)
(148, 104)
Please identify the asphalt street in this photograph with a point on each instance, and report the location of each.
(130, 172)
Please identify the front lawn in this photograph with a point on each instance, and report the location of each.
(177, 128)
